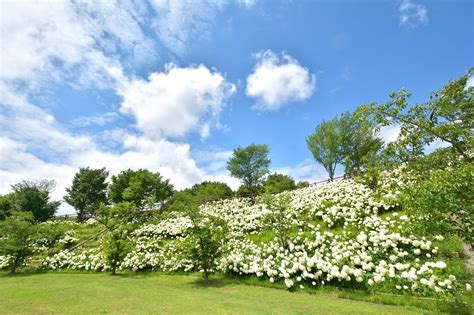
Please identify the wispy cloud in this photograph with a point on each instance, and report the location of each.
(99, 119)
(413, 14)
(347, 73)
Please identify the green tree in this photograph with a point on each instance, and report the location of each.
(360, 143)
(35, 197)
(276, 183)
(142, 188)
(209, 191)
(6, 205)
(17, 235)
(279, 219)
(448, 116)
(119, 220)
(88, 191)
(324, 143)
(200, 193)
(250, 165)
(302, 184)
(207, 242)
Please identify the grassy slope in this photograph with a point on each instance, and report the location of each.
(157, 293)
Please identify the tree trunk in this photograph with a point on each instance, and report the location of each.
(80, 216)
(114, 269)
(14, 265)
(206, 277)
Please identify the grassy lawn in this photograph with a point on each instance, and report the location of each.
(40, 293)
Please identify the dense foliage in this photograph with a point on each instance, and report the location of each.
(35, 197)
(142, 188)
(276, 183)
(443, 201)
(204, 192)
(6, 205)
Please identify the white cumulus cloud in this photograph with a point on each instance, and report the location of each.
(278, 79)
(176, 101)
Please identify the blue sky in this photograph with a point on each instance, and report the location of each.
(174, 86)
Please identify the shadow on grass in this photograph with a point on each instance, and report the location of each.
(21, 274)
(213, 283)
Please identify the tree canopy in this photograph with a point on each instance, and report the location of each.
(325, 144)
(250, 165)
(360, 142)
(88, 191)
(142, 188)
(203, 192)
(448, 116)
(276, 183)
(35, 197)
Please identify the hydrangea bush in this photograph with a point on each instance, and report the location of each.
(342, 233)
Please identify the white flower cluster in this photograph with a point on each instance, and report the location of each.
(91, 259)
(5, 261)
(391, 182)
(68, 238)
(167, 227)
(240, 214)
(373, 256)
(339, 202)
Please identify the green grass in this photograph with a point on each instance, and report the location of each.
(76, 293)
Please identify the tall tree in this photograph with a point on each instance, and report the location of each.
(250, 165)
(280, 206)
(360, 143)
(142, 188)
(17, 234)
(35, 197)
(88, 191)
(119, 220)
(324, 143)
(208, 237)
(448, 116)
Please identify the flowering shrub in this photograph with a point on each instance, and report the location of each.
(68, 238)
(91, 259)
(340, 233)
